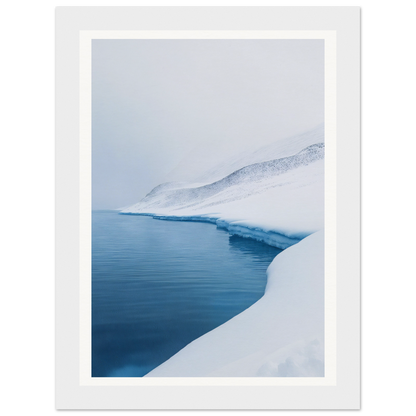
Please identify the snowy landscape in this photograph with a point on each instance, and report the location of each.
(274, 195)
(208, 179)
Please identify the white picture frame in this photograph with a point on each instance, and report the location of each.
(75, 28)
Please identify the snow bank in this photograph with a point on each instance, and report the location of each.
(280, 335)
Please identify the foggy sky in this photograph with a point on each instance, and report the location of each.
(153, 101)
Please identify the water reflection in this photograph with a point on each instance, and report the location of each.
(256, 249)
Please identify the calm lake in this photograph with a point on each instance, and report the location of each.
(158, 285)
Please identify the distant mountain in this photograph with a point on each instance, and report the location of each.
(182, 195)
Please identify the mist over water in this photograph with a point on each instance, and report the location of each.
(158, 285)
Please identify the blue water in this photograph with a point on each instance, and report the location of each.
(158, 285)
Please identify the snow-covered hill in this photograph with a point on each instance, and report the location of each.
(208, 163)
(179, 197)
(277, 198)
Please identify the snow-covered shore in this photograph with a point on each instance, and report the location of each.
(280, 202)
(280, 335)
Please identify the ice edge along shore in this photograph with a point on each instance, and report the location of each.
(272, 238)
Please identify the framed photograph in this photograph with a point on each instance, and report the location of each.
(208, 208)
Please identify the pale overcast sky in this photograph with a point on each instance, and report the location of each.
(155, 100)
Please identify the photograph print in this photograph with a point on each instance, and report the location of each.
(208, 197)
